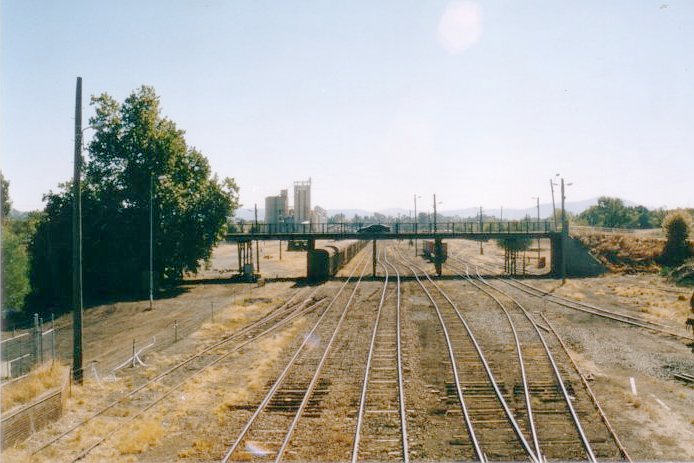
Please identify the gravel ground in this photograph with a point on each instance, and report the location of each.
(201, 420)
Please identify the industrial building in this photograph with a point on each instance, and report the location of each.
(302, 201)
(277, 208)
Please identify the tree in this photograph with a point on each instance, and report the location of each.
(135, 154)
(676, 249)
(4, 196)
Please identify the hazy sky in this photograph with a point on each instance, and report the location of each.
(479, 102)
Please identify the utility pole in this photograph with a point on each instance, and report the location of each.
(564, 234)
(538, 229)
(481, 227)
(77, 356)
(151, 240)
(434, 212)
(554, 207)
(416, 219)
(257, 250)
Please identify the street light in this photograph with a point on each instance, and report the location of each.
(564, 231)
(554, 207)
(151, 236)
(538, 227)
(416, 220)
(435, 203)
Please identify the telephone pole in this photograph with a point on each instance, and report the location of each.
(77, 372)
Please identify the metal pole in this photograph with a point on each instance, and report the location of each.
(538, 229)
(41, 339)
(416, 219)
(257, 250)
(481, 227)
(151, 241)
(434, 212)
(52, 338)
(564, 236)
(132, 364)
(77, 373)
(175, 330)
(280, 249)
(212, 310)
(35, 341)
(554, 207)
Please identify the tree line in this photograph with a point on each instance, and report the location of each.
(139, 170)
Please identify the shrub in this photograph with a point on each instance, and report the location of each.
(676, 227)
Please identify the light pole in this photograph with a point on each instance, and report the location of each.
(554, 206)
(416, 220)
(151, 237)
(538, 228)
(564, 231)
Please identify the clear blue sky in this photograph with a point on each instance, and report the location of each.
(479, 102)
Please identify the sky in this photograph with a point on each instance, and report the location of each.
(480, 102)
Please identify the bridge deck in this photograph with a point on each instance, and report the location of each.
(398, 231)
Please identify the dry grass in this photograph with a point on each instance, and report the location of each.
(139, 437)
(39, 381)
(624, 253)
(253, 379)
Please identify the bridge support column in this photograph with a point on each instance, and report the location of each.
(373, 258)
(557, 257)
(439, 258)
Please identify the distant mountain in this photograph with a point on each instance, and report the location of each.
(18, 215)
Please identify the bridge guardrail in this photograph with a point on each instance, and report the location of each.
(492, 227)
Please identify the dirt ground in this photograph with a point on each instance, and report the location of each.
(198, 421)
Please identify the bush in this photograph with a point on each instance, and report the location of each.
(676, 227)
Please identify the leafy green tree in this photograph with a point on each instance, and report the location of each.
(5, 198)
(135, 154)
(15, 281)
(676, 249)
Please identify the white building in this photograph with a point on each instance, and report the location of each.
(276, 208)
(302, 201)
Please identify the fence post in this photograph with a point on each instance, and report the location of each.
(35, 341)
(212, 310)
(52, 338)
(133, 359)
(175, 331)
(41, 338)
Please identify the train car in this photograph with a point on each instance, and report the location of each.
(325, 261)
(428, 250)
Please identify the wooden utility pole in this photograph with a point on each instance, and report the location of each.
(77, 373)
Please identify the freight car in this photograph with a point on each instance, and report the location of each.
(325, 261)
(429, 252)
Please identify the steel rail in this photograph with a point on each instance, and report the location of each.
(275, 386)
(316, 375)
(282, 323)
(487, 369)
(401, 382)
(367, 370)
(588, 308)
(521, 361)
(555, 368)
(270, 316)
(593, 398)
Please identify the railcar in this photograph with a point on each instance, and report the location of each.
(428, 250)
(325, 261)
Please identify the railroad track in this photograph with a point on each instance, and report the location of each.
(493, 432)
(144, 396)
(585, 307)
(381, 430)
(297, 390)
(556, 429)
